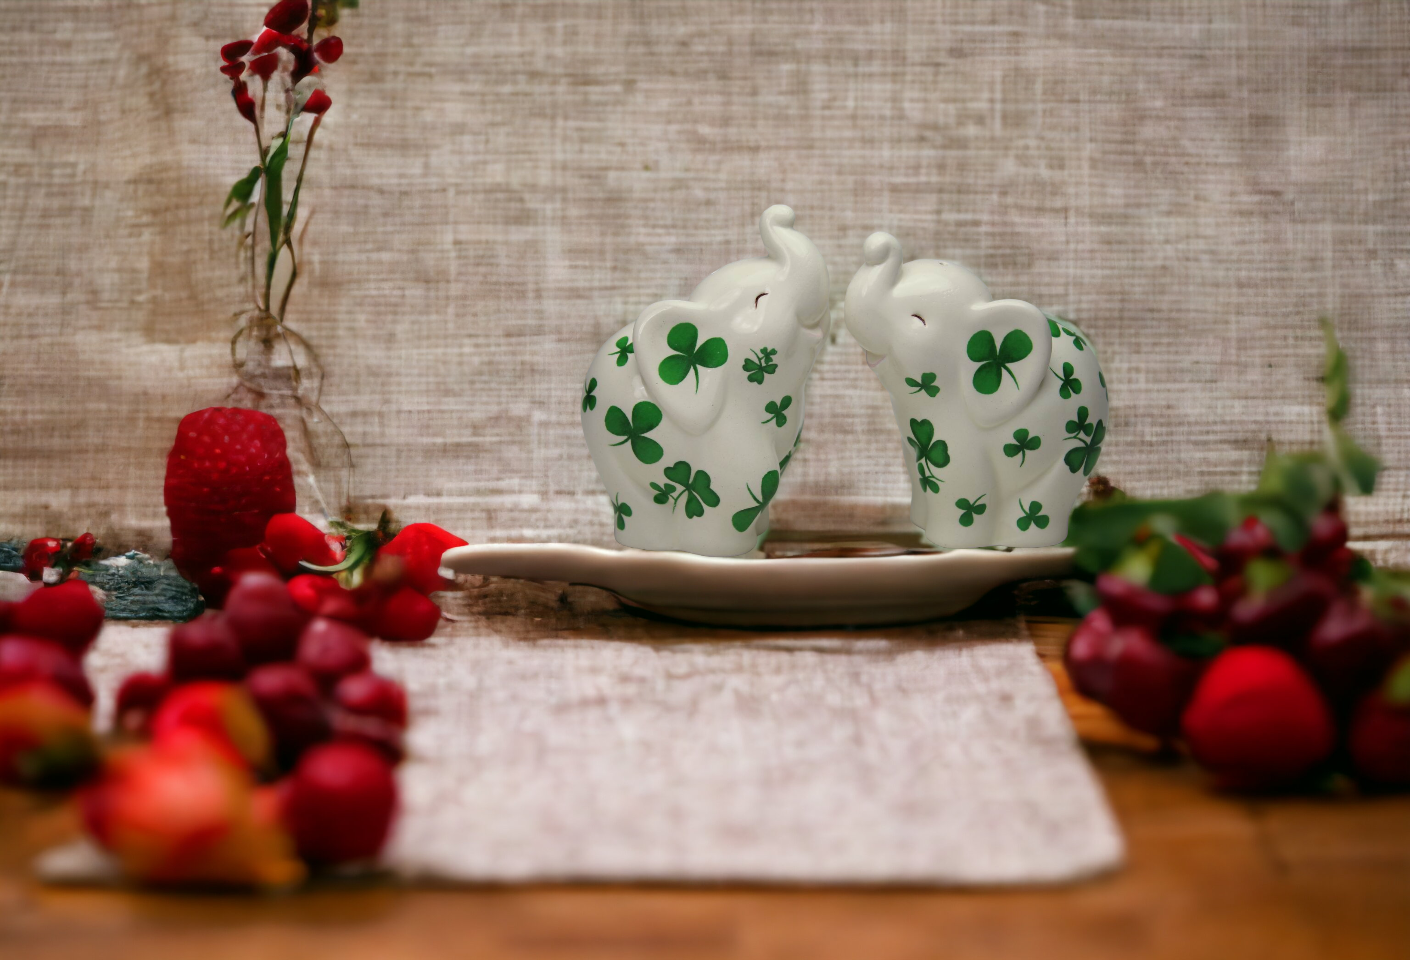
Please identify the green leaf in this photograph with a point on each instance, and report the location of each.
(243, 189)
(239, 213)
(1175, 571)
(1262, 574)
(1197, 646)
(1101, 530)
(1015, 347)
(1336, 375)
(1396, 688)
(274, 193)
(1358, 468)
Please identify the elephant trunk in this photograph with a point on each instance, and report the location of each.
(867, 293)
(803, 269)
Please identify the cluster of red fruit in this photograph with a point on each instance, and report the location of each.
(1274, 665)
(261, 58)
(259, 690)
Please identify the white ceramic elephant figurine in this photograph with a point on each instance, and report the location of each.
(693, 412)
(1003, 408)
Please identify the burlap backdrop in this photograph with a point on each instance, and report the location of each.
(500, 185)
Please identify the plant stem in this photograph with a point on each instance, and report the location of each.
(289, 220)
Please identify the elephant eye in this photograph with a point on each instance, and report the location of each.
(760, 297)
(920, 318)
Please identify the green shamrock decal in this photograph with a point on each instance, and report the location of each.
(994, 360)
(1032, 516)
(687, 358)
(624, 350)
(1089, 437)
(620, 511)
(926, 383)
(1068, 383)
(762, 365)
(775, 411)
(1022, 443)
(695, 487)
(646, 416)
(788, 457)
(929, 453)
(1102, 377)
(767, 488)
(589, 401)
(971, 509)
(1055, 328)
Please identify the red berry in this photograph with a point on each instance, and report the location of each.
(1256, 719)
(286, 16)
(138, 698)
(204, 649)
(1132, 604)
(245, 105)
(7, 607)
(1328, 533)
(233, 70)
(331, 649)
(1150, 684)
(1250, 539)
(27, 658)
(235, 49)
(66, 613)
(45, 737)
(1090, 655)
(1379, 741)
(82, 547)
(374, 732)
(420, 547)
(292, 707)
(1284, 615)
(1348, 650)
(407, 615)
(329, 49)
(1200, 609)
(264, 65)
(371, 695)
(322, 596)
(228, 472)
(225, 711)
(264, 617)
(290, 539)
(317, 102)
(340, 803)
(39, 556)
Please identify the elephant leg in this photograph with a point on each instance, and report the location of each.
(961, 515)
(1037, 515)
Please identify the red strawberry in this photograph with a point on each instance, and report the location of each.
(228, 472)
(331, 649)
(66, 613)
(1257, 720)
(371, 695)
(292, 707)
(1379, 742)
(264, 618)
(420, 546)
(138, 698)
(322, 596)
(204, 649)
(289, 539)
(224, 711)
(407, 616)
(26, 658)
(340, 803)
(45, 739)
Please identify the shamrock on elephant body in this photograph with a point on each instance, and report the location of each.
(620, 511)
(994, 360)
(1022, 443)
(623, 351)
(1089, 437)
(646, 416)
(1033, 516)
(693, 485)
(775, 412)
(929, 453)
(688, 358)
(762, 365)
(925, 384)
(768, 486)
(969, 509)
(589, 400)
(1067, 383)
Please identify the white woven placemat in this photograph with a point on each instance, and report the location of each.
(792, 760)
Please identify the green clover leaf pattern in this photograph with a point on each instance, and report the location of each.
(930, 453)
(971, 509)
(624, 350)
(687, 358)
(1102, 377)
(1033, 516)
(926, 383)
(762, 365)
(1053, 327)
(1089, 437)
(1057, 330)
(694, 486)
(775, 411)
(788, 457)
(994, 360)
(1022, 443)
(620, 511)
(1068, 384)
(768, 486)
(589, 401)
(646, 416)
(1077, 340)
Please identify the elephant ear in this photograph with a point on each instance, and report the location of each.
(682, 362)
(1006, 349)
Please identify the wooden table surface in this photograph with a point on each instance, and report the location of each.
(1209, 875)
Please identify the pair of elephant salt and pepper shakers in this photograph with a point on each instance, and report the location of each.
(693, 412)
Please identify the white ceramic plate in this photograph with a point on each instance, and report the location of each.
(791, 591)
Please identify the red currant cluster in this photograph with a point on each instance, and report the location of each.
(1273, 664)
